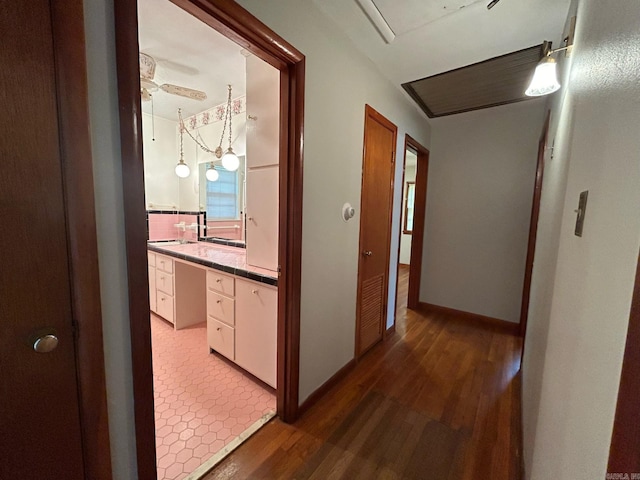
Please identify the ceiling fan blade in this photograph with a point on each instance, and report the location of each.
(492, 4)
(183, 91)
(147, 66)
(145, 95)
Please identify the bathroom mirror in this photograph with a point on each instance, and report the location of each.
(223, 203)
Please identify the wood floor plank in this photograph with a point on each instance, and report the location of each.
(439, 399)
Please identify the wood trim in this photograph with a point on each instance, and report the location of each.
(419, 218)
(126, 23)
(239, 25)
(533, 228)
(495, 323)
(406, 200)
(323, 389)
(75, 144)
(624, 453)
(370, 112)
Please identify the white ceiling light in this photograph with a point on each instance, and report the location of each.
(378, 21)
(211, 173)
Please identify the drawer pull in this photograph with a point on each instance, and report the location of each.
(255, 292)
(218, 280)
(162, 299)
(161, 278)
(218, 301)
(218, 329)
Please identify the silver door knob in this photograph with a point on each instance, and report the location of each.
(45, 343)
(367, 253)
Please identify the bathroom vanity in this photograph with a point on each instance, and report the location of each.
(196, 282)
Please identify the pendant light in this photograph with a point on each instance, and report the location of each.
(211, 173)
(230, 160)
(182, 169)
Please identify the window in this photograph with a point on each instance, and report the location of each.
(409, 197)
(222, 196)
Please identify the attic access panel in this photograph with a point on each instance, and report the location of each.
(496, 81)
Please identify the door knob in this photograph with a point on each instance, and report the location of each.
(367, 253)
(45, 343)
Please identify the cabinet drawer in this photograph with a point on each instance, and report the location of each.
(220, 283)
(221, 307)
(151, 258)
(165, 306)
(221, 338)
(164, 263)
(164, 281)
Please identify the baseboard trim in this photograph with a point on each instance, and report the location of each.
(391, 330)
(496, 323)
(325, 387)
(404, 264)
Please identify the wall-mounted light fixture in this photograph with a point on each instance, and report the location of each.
(545, 78)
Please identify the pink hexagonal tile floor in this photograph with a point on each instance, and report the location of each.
(201, 402)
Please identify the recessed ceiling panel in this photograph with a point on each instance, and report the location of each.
(406, 15)
(497, 81)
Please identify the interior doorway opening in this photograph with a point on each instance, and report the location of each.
(411, 232)
(232, 293)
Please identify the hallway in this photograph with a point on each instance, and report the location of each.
(437, 400)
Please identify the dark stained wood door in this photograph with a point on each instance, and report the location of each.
(375, 228)
(40, 430)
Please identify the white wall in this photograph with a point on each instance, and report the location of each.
(160, 158)
(339, 82)
(105, 138)
(581, 300)
(480, 188)
(405, 239)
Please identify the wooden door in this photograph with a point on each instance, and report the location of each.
(40, 400)
(375, 228)
(533, 229)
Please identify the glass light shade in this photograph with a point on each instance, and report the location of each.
(182, 169)
(230, 161)
(212, 174)
(544, 79)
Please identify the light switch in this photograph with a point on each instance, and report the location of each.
(581, 211)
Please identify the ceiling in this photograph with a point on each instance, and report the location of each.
(190, 54)
(427, 44)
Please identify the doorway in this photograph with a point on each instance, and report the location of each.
(376, 206)
(411, 234)
(239, 26)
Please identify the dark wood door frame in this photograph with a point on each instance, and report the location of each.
(237, 24)
(419, 217)
(75, 143)
(533, 228)
(624, 453)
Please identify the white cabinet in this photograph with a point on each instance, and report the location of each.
(152, 282)
(161, 286)
(262, 218)
(256, 329)
(263, 158)
(263, 113)
(221, 313)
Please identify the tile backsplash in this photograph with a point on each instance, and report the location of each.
(161, 225)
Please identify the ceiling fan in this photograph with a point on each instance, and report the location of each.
(148, 86)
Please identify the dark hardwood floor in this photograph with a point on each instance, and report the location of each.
(438, 399)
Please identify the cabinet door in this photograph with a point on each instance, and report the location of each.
(263, 113)
(256, 329)
(262, 218)
(152, 289)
